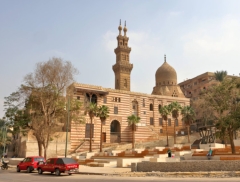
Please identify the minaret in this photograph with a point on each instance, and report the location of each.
(122, 68)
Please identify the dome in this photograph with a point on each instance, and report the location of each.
(166, 75)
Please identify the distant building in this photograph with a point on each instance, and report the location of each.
(193, 87)
(123, 103)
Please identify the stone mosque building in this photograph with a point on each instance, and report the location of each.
(122, 103)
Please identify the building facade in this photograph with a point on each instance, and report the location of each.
(122, 103)
(194, 86)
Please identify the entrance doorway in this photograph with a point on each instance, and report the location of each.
(115, 132)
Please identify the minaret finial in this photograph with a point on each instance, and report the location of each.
(165, 59)
(125, 29)
(120, 28)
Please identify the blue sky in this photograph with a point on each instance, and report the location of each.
(196, 36)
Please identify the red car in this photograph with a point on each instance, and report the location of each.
(59, 165)
(30, 163)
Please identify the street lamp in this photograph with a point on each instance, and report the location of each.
(67, 127)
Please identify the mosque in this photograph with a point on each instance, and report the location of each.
(122, 103)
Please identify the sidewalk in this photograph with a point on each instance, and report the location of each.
(102, 170)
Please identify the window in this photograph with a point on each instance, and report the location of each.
(143, 103)
(159, 106)
(116, 99)
(176, 122)
(87, 130)
(105, 100)
(151, 121)
(169, 122)
(125, 83)
(151, 107)
(161, 130)
(78, 97)
(144, 112)
(52, 161)
(133, 106)
(115, 110)
(38, 159)
(160, 122)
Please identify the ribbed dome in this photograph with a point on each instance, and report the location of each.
(166, 75)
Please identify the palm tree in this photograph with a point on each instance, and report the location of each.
(165, 111)
(102, 113)
(188, 117)
(132, 121)
(91, 110)
(220, 75)
(175, 109)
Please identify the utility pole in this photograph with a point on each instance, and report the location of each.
(67, 127)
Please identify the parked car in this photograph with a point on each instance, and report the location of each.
(30, 163)
(58, 166)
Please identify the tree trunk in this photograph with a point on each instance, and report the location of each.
(174, 134)
(133, 136)
(232, 142)
(45, 152)
(40, 150)
(90, 142)
(101, 138)
(167, 132)
(188, 134)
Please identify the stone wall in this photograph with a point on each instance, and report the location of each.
(28, 146)
(186, 166)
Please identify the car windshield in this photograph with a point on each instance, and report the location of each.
(38, 159)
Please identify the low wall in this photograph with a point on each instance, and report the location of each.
(186, 166)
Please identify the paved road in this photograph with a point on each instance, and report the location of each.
(12, 176)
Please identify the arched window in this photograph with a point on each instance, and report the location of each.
(151, 107)
(125, 83)
(94, 99)
(176, 122)
(159, 106)
(117, 84)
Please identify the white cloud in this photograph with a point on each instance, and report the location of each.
(214, 47)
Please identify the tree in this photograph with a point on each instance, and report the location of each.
(91, 110)
(188, 117)
(102, 113)
(224, 99)
(165, 111)
(132, 121)
(42, 97)
(4, 137)
(203, 111)
(220, 75)
(175, 109)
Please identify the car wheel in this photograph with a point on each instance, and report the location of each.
(40, 171)
(69, 174)
(18, 169)
(57, 172)
(29, 169)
